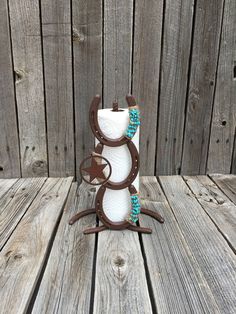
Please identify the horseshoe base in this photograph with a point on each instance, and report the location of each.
(131, 227)
(81, 214)
(152, 214)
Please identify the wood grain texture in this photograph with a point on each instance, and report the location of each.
(233, 165)
(117, 51)
(22, 258)
(27, 57)
(227, 183)
(174, 77)
(9, 142)
(217, 205)
(224, 114)
(66, 284)
(184, 266)
(15, 203)
(201, 87)
(5, 185)
(176, 57)
(169, 260)
(87, 50)
(146, 68)
(205, 242)
(120, 281)
(57, 55)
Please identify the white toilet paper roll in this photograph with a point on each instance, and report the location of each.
(116, 203)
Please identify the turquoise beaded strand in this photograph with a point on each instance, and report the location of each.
(135, 208)
(134, 122)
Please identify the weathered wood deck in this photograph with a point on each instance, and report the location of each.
(187, 265)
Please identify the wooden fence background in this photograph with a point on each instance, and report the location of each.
(178, 57)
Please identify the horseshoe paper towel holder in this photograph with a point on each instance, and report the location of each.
(97, 167)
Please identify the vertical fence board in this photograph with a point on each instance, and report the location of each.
(56, 32)
(9, 146)
(202, 83)
(87, 51)
(27, 54)
(117, 49)
(146, 68)
(118, 21)
(224, 114)
(233, 166)
(174, 78)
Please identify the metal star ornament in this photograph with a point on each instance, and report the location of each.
(95, 171)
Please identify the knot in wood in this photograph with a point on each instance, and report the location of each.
(220, 200)
(19, 75)
(119, 261)
(76, 36)
(18, 256)
(92, 190)
(39, 167)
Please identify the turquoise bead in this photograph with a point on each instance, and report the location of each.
(135, 208)
(134, 117)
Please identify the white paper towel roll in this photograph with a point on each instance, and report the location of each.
(116, 203)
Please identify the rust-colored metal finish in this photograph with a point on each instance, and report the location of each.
(82, 214)
(96, 171)
(102, 216)
(133, 171)
(152, 214)
(93, 120)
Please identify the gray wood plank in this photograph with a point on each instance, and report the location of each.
(9, 142)
(27, 58)
(177, 281)
(66, 284)
(227, 183)
(57, 46)
(5, 185)
(215, 259)
(201, 87)
(146, 68)
(174, 77)
(233, 165)
(87, 51)
(224, 114)
(120, 282)
(15, 203)
(217, 205)
(22, 258)
(117, 51)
